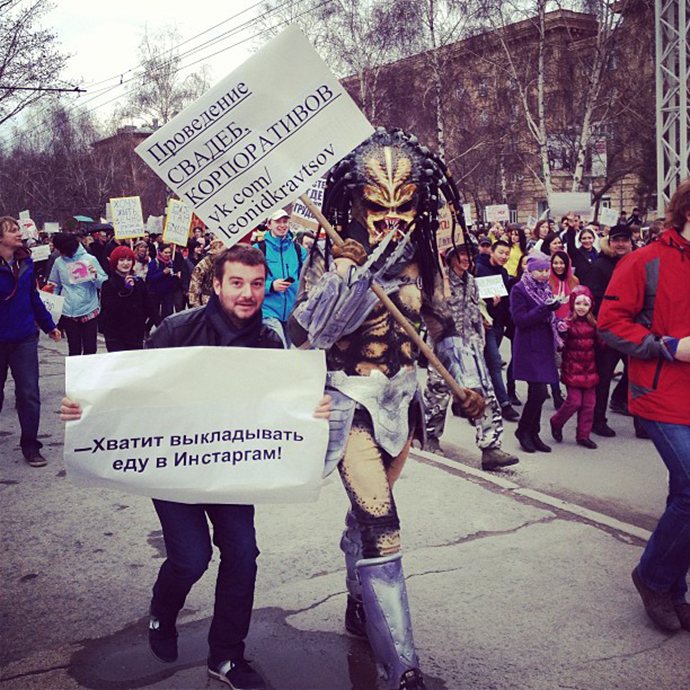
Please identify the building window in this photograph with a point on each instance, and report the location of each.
(542, 205)
(513, 214)
(605, 202)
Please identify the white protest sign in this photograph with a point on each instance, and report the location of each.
(28, 229)
(301, 214)
(40, 252)
(54, 304)
(444, 235)
(177, 223)
(531, 221)
(491, 286)
(497, 213)
(608, 216)
(467, 211)
(563, 203)
(154, 225)
(24, 215)
(108, 213)
(259, 139)
(128, 221)
(241, 430)
(51, 228)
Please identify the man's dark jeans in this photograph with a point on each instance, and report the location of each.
(188, 545)
(666, 559)
(22, 360)
(492, 354)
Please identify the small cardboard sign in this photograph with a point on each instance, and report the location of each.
(51, 228)
(128, 221)
(467, 212)
(491, 286)
(28, 229)
(497, 213)
(301, 214)
(177, 223)
(608, 216)
(40, 252)
(54, 304)
(563, 203)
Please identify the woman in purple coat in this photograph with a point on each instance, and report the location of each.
(532, 306)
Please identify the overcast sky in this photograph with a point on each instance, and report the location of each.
(102, 37)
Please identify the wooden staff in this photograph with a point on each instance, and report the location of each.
(389, 304)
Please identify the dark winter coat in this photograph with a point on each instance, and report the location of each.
(581, 259)
(579, 369)
(208, 325)
(534, 352)
(499, 313)
(124, 309)
(599, 275)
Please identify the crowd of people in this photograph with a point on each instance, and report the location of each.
(554, 283)
(557, 293)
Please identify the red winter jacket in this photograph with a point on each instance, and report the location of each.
(645, 310)
(578, 369)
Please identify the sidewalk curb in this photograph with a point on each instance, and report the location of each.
(537, 496)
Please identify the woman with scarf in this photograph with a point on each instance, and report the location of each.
(532, 307)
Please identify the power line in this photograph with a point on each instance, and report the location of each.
(224, 36)
(76, 89)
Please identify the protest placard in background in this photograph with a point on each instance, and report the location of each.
(241, 430)
(51, 228)
(608, 216)
(497, 213)
(258, 139)
(467, 211)
(491, 286)
(301, 214)
(128, 221)
(54, 304)
(40, 253)
(563, 203)
(177, 223)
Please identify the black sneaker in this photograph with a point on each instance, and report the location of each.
(603, 429)
(163, 639)
(587, 443)
(35, 459)
(507, 412)
(239, 675)
(514, 400)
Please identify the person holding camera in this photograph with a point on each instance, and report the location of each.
(284, 258)
(124, 304)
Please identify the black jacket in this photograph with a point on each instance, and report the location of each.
(124, 309)
(208, 325)
(599, 276)
(582, 261)
(501, 312)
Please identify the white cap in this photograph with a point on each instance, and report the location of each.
(280, 213)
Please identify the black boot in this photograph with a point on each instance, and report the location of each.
(525, 440)
(539, 444)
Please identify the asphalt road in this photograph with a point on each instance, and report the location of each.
(506, 589)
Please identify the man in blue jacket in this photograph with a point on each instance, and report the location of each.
(20, 309)
(284, 258)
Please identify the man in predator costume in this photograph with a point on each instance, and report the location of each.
(383, 199)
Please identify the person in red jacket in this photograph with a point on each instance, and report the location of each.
(645, 314)
(579, 369)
